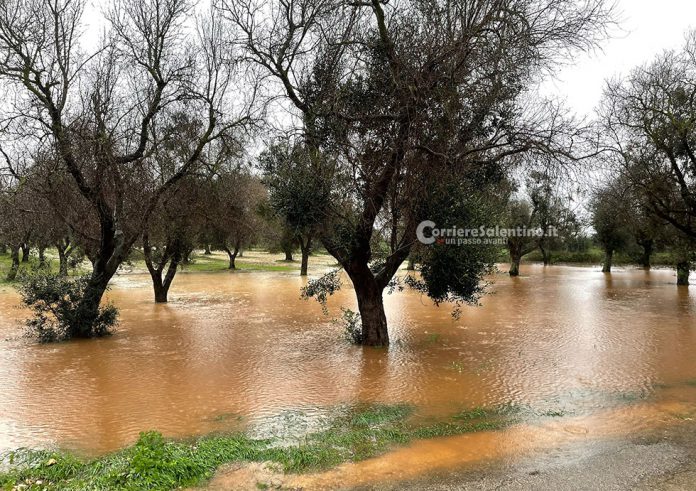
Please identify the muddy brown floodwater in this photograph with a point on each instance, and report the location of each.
(606, 354)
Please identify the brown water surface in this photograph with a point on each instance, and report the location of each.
(243, 350)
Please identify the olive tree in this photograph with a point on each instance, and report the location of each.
(610, 225)
(391, 97)
(297, 194)
(522, 215)
(230, 213)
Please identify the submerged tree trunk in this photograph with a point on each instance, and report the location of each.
(518, 249)
(288, 254)
(306, 248)
(370, 304)
(14, 268)
(161, 286)
(372, 315)
(232, 254)
(608, 259)
(87, 311)
(26, 251)
(683, 268)
(647, 246)
(113, 250)
(545, 254)
(515, 250)
(170, 255)
(515, 266)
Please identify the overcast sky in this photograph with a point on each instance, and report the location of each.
(647, 28)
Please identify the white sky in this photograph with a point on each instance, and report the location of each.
(648, 27)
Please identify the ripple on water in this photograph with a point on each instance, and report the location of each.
(233, 350)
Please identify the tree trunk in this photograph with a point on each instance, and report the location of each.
(372, 316)
(288, 254)
(42, 257)
(63, 262)
(515, 265)
(683, 268)
(517, 251)
(546, 255)
(26, 251)
(171, 254)
(88, 308)
(306, 248)
(608, 258)
(647, 253)
(14, 268)
(232, 254)
(371, 306)
(208, 252)
(161, 286)
(411, 264)
(186, 256)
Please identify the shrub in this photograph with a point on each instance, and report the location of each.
(55, 301)
(352, 326)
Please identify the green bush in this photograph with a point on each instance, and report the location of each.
(352, 326)
(55, 300)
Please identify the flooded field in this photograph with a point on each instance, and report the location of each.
(586, 354)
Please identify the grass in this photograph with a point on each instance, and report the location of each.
(595, 255)
(201, 264)
(352, 434)
(211, 264)
(33, 264)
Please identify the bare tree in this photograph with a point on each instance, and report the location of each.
(650, 122)
(100, 113)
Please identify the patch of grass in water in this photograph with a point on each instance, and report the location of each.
(155, 463)
(554, 413)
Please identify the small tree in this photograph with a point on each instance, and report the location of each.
(298, 193)
(170, 233)
(56, 302)
(611, 229)
(231, 211)
(521, 215)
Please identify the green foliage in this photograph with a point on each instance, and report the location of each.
(608, 219)
(299, 194)
(352, 326)
(55, 301)
(323, 287)
(455, 272)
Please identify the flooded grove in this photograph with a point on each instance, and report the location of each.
(602, 354)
